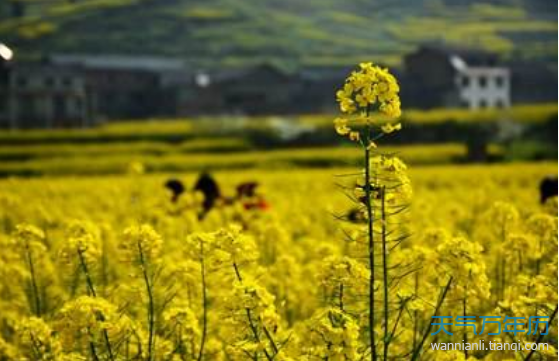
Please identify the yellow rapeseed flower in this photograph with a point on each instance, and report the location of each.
(369, 89)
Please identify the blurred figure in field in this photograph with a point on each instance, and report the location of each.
(207, 185)
(250, 199)
(176, 187)
(246, 194)
(548, 188)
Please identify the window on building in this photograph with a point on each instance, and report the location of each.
(499, 81)
(59, 103)
(67, 81)
(482, 82)
(78, 105)
(31, 109)
(49, 81)
(465, 81)
(482, 104)
(499, 104)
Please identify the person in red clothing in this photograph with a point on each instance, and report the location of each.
(251, 200)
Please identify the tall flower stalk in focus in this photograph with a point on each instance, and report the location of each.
(370, 103)
(367, 91)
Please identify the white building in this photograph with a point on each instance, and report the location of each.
(481, 86)
(442, 76)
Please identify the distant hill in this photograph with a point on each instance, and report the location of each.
(216, 33)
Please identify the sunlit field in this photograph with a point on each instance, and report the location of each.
(448, 196)
(294, 245)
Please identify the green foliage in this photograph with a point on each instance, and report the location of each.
(36, 30)
(220, 32)
(498, 12)
(208, 14)
(528, 150)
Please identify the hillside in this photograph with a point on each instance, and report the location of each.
(293, 32)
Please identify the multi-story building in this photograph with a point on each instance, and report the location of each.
(47, 96)
(39, 95)
(128, 87)
(437, 76)
(82, 90)
(481, 86)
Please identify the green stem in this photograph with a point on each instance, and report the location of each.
(539, 259)
(255, 331)
(503, 267)
(396, 323)
(100, 316)
(384, 270)
(34, 286)
(88, 279)
(204, 301)
(415, 313)
(42, 351)
(270, 340)
(464, 312)
(251, 321)
(540, 337)
(504, 277)
(151, 303)
(371, 243)
(93, 351)
(418, 349)
(341, 297)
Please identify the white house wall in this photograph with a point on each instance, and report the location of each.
(475, 94)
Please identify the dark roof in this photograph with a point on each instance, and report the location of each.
(243, 73)
(120, 62)
(532, 67)
(325, 73)
(472, 57)
(28, 67)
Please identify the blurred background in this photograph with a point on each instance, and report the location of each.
(91, 86)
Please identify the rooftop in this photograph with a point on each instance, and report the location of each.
(120, 62)
(470, 57)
